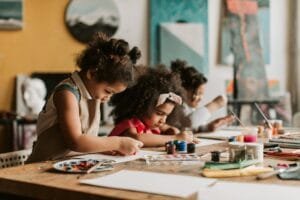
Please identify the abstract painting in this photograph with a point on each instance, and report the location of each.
(84, 18)
(179, 29)
(263, 20)
(11, 14)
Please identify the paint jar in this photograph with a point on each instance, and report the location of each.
(250, 134)
(215, 156)
(191, 148)
(237, 151)
(255, 151)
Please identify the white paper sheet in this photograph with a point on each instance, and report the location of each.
(248, 191)
(151, 182)
(120, 159)
(206, 142)
(221, 134)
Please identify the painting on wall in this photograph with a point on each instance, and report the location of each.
(11, 14)
(84, 18)
(179, 29)
(249, 74)
(263, 19)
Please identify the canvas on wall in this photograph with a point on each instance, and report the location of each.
(84, 18)
(263, 19)
(163, 32)
(11, 14)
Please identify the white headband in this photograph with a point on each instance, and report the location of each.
(171, 96)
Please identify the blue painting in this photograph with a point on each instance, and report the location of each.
(11, 14)
(168, 38)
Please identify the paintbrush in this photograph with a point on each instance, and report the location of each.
(236, 117)
(263, 115)
(91, 169)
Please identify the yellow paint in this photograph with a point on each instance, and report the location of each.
(43, 45)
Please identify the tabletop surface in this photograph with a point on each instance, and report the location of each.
(40, 180)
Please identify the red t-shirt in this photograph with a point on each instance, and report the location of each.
(140, 127)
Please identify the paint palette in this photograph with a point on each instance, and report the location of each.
(82, 165)
(172, 158)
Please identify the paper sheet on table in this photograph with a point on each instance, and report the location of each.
(221, 134)
(151, 182)
(120, 159)
(248, 191)
(206, 142)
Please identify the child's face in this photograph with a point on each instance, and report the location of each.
(194, 97)
(159, 116)
(104, 91)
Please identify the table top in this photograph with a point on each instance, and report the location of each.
(40, 180)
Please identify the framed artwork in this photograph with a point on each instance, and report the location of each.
(179, 29)
(11, 14)
(84, 18)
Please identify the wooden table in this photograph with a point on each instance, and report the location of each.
(40, 181)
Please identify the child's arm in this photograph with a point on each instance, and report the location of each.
(154, 140)
(70, 126)
(169, 130)
(217, 103)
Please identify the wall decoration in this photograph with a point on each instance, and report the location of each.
(11, 14)
(263, 20)
(162, 35)
(84, 18)
(250, 79)
(178, 41)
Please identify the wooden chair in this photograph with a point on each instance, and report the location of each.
(14, 158)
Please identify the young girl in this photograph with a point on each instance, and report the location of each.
(141, 111)
(71, 117)
(197, 117)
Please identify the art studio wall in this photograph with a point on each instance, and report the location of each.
(45, 45)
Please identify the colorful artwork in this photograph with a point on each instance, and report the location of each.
(11, 14)
(263, 20)
(249, 68)
(273, 86)
(191, 14)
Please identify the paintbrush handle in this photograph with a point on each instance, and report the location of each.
(94, 167)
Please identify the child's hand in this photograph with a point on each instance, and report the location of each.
(129, 146)
(212, 126)
(187, 136)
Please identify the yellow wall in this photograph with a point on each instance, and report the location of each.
(43, 45)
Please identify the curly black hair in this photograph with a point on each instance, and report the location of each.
(110, 59)
(191, 79)
(140, 99)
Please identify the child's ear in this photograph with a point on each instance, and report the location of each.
(90, 74)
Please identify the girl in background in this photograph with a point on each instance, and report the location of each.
(191, 114)
(141, 111)
(71, 117)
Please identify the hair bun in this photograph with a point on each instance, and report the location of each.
(134, 54)
(118, 47)
(178, 66)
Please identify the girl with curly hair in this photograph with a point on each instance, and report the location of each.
(71, 117)
(141, 111)
(191, 114)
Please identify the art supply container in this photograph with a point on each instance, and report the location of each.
(255, 151)
(215, 156)
(250, 134)
(191, 148)
(237, 151)
(182, 147)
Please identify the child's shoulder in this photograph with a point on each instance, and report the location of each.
(69, 87)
